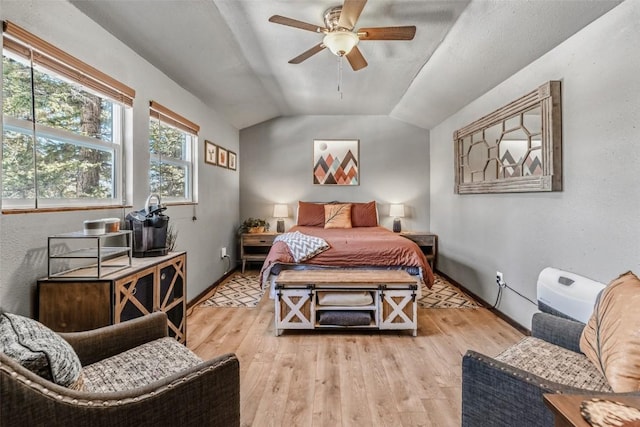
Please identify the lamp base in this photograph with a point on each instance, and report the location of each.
(397, 226)
(280, 226)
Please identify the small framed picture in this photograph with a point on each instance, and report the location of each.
(210, 153)
(232, 160)
(223, 157)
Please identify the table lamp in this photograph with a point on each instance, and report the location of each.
(397, 212)
(280, 212)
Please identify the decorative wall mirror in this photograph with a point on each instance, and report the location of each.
(517, 148)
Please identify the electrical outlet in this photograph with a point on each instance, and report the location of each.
(500, 279)
(223, 252)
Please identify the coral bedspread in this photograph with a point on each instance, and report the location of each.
(355, 247)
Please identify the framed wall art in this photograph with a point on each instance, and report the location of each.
(517, 148)
(232, 160)
(223, 157)
(336, 162)
(210, 153)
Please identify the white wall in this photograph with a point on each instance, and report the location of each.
(278, 163)
(23, 238)
(592, 227)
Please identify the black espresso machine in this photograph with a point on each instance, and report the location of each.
(149, 227)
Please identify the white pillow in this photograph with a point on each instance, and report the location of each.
(345, 299)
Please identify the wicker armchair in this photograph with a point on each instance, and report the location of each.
(495, 393)
(205, 394)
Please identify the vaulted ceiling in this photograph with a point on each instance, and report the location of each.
(229, 55)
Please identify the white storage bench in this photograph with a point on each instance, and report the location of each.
(328, 298)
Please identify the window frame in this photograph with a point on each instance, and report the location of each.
(37, 54)
(43, 131)
(166, 117)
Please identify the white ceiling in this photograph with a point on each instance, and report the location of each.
(229, 55)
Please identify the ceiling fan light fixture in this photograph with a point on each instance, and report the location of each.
(340, 42)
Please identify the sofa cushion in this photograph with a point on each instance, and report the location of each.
(139, 366)
(611, 339)
(40, 350)
(337, 215)
(554, 363)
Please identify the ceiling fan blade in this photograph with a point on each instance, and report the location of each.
(351, 10)
(283, 20)
(387, 33)
(356, 59)
(305, 55)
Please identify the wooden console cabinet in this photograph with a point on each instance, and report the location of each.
(71, 302)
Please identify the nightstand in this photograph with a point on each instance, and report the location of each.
(255, 246)
(428, 242)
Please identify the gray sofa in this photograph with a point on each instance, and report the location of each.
(134, 376)
(507, 390)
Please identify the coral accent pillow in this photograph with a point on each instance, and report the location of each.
(611, 338)
(364, 214)
(337, 215)
(311, 214)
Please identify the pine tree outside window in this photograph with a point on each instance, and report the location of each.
(62, 140)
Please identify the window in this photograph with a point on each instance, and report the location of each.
(62, 127)
(172, 139)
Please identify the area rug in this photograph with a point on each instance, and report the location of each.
(243, 290)
(238, 290)
(444, 295)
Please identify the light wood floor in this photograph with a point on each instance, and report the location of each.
(348, 378)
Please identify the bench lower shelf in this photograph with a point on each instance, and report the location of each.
(393, 293)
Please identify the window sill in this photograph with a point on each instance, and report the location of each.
(180, 203)
(61, 209)
(82, 208)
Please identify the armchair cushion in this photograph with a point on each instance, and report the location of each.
(204, 395)
(139, 367)
(557, 330)
(610, 339)
(40, 350)
(554, 363)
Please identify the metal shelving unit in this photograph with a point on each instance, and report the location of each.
(101, 259)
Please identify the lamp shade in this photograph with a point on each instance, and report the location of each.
(340, 42)
(396, 211)
(280, 211)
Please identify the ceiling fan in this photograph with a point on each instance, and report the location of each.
(339, 35)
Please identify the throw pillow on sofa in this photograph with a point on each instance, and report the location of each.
(611, 338)
(40, 350)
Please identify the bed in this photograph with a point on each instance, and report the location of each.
(357, 243)
(358, 247)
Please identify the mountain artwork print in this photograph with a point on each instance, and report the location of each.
(335, 162)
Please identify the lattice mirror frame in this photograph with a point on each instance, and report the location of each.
(517, 148)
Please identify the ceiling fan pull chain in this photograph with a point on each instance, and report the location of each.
(340, 76)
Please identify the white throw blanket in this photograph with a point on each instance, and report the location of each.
(302, 246)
